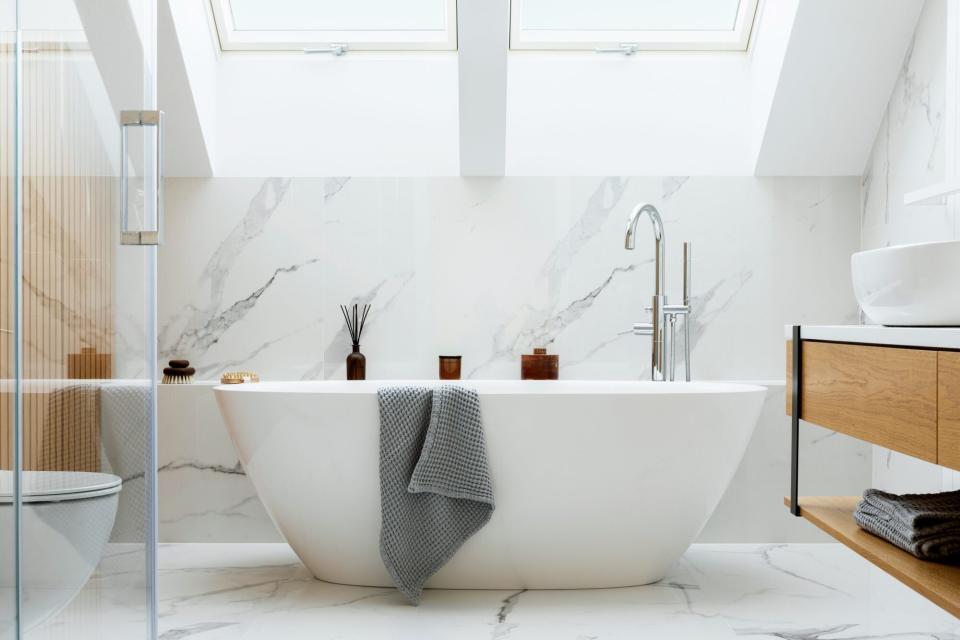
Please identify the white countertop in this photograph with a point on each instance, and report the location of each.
(930, 337)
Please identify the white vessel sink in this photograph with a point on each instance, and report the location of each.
(909, 285)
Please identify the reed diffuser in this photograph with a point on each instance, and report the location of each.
(356, 361)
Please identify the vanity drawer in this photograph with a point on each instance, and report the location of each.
(884, 395)
(948, 409)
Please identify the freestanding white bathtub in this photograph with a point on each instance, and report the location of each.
(597, 484)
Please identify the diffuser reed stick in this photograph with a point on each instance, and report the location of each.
(356, 320)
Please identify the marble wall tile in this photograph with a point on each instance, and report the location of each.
(253, 271)
(205, 496)
(910, 153)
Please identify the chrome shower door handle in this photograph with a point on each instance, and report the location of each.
(153, 176)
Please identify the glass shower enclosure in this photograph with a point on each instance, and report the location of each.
(80, 209)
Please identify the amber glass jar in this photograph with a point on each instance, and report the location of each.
(450, 367)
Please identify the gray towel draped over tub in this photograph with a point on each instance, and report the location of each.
(435, 488)
(925, 525)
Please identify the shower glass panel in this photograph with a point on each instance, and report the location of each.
(8, 186)
(88, 315)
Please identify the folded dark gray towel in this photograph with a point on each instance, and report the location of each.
(918, 511)
(435, 487)
(925, 525)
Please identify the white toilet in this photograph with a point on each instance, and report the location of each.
(67, 520)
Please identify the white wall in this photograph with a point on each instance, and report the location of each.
(567, 114)
(660, 114)
(310, 115)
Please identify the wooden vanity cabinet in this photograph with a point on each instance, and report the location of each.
(900, 397)
(948, 409)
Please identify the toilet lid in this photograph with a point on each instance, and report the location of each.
(55, 486)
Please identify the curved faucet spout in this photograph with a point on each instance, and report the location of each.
(660, 247)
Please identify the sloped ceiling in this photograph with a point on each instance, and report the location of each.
(840, 66)
(810, 105)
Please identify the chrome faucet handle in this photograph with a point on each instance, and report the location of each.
(643, 329)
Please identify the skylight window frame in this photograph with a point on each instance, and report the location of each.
(233, 39)
(736, 39)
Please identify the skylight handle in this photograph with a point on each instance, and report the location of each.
(626, 48)
(335, 49)
(153, 177)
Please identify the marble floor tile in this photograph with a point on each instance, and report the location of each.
(788, 591)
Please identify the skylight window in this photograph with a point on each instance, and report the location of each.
(632, 25)
(291, 25)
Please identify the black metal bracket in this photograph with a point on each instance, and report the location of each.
(795, 422)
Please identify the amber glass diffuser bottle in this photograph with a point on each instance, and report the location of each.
(356, 361)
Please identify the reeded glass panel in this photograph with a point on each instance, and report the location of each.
(87, 307)
(629, 15)
(338, 15)
(8, 184)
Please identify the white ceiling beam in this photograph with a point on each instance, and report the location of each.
(840, 66)
(113, 33)
(483, 43)
(186, 81)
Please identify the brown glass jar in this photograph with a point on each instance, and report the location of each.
(356, 364)
(450, 367)
(539, 366)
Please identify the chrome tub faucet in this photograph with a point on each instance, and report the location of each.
(663, 328)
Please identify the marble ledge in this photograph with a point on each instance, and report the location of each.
(922, 337)
(211, 384)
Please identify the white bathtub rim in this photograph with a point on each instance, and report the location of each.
(503, 387)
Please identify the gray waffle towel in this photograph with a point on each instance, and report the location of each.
(926, 525)
(435, 488)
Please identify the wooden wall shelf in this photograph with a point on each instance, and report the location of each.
(939, 583)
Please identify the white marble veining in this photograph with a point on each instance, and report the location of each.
(253, 270)
(253, 591)
(910, 152)
(205, 496)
